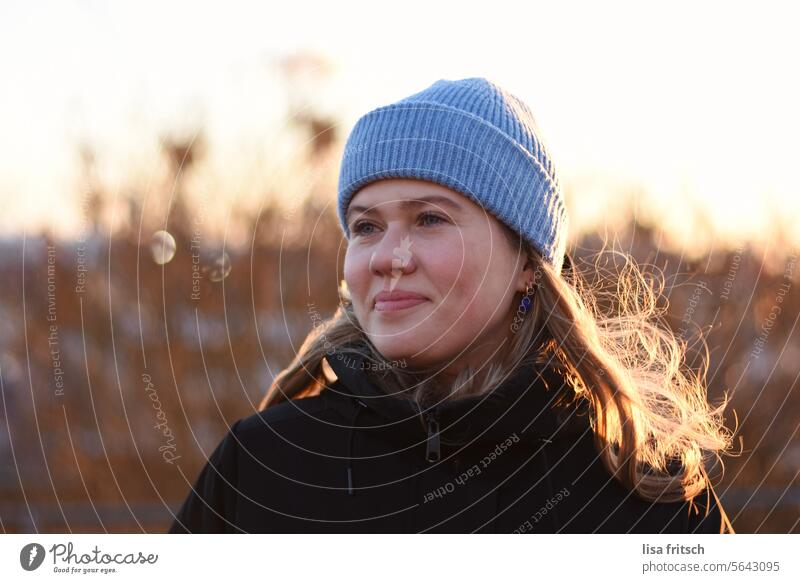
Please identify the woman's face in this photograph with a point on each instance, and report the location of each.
(446, 273)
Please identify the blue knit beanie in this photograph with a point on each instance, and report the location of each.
(473, 137)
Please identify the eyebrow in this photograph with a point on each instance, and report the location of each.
(412, 202)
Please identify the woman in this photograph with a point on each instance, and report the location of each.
(469, 382)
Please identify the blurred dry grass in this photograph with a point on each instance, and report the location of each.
(89, 460)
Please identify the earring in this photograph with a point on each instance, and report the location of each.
(526, 299)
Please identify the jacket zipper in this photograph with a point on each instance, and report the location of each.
(433, 451)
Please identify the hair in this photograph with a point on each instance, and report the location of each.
(653, 426)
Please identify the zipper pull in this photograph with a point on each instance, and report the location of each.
(433, 452)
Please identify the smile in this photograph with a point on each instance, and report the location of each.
(397, 305)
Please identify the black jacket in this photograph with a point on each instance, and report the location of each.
(353, 459)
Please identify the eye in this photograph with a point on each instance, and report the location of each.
(428, 215)
(358, 227)
(427, 218)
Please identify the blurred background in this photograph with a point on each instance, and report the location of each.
(168, 232)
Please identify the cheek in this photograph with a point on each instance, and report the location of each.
(443, 265)
(481, 289)
(356, 275)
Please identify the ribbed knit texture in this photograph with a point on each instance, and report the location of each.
(473, 137)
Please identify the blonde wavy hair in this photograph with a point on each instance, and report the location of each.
(653, 426)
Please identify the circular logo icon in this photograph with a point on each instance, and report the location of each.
(31, 556)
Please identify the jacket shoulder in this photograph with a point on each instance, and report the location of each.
(309, 408)
(211, 501)
(211, 505)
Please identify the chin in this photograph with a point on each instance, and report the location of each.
(398, 347)
(412, 348)
(394, 349)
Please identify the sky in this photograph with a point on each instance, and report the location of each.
(693, 104)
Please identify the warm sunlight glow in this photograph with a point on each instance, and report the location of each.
(704, 132)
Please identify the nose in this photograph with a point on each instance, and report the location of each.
(393, 255)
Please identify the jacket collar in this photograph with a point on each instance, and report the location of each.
(523, 405)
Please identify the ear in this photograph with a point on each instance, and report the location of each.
(527, 274)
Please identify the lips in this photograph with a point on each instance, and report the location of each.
(397, 300)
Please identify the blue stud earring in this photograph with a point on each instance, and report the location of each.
(526, 299)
